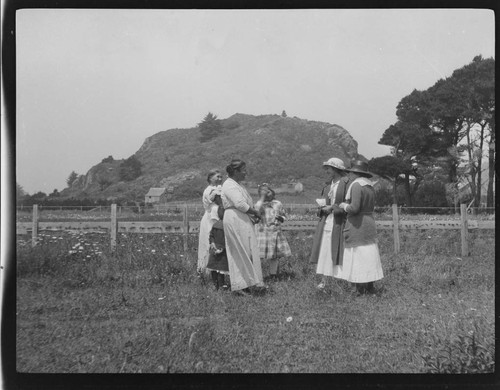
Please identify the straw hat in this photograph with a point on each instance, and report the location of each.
(336, 163)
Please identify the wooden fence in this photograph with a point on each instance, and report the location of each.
(186, 227)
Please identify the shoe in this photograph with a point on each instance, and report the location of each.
(259, 290)
(244, 292)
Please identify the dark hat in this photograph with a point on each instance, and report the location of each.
(361, 168)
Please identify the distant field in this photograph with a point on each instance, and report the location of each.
(81, 309)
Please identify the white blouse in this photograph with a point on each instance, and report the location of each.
(209, 195)
(234, 195)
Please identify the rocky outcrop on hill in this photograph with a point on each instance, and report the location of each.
(277, 150)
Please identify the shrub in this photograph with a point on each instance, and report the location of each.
(231, 125)
(431, 194)
(130, 169)
(469, 353)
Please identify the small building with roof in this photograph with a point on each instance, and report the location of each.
(156, 195)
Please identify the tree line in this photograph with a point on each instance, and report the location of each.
(442, 137)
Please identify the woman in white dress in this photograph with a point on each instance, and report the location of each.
(214, 179)
(328, 245)
(241, 241)
(361, 264)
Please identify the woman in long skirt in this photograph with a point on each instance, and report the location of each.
(214, 179)
(328, 246)
(361, 263)
(241, 242)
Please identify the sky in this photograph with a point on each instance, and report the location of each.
(93, 82)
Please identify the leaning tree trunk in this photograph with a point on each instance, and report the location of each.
(490, 196)
(479, 167)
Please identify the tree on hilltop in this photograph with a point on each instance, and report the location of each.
(210, 127)
(108, 159)
(71, 178)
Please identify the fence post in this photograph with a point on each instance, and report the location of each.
(34, 232)
(395, 227)
(464, 228)
(185, 221)
(114, 227)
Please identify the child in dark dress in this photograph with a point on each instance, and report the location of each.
(217, 260)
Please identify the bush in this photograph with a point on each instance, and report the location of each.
(467, 354)
(130, 169)
(431, 194)
(231, 125)
(383, 197)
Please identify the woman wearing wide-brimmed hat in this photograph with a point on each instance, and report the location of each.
(361, 262)
(328, 244)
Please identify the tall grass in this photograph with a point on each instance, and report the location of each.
(144, 309)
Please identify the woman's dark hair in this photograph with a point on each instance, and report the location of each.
(212, 173)
(218, 200)
(234, 165)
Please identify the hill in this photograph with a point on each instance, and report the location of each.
(277, 150)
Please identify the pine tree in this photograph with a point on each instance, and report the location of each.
(210, 127)
(71, 178)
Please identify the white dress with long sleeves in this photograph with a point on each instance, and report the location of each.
(206, 225)
(241, 241)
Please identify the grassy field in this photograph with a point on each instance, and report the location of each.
(81, 309)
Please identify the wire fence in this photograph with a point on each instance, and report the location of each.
(182, 220)
(290, 207)
(194, 212)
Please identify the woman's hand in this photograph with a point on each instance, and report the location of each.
(343, 206)
(327, 209)
(252, 211)
(280, 219)
(216, 191)
(254, 215)
(337, 210)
